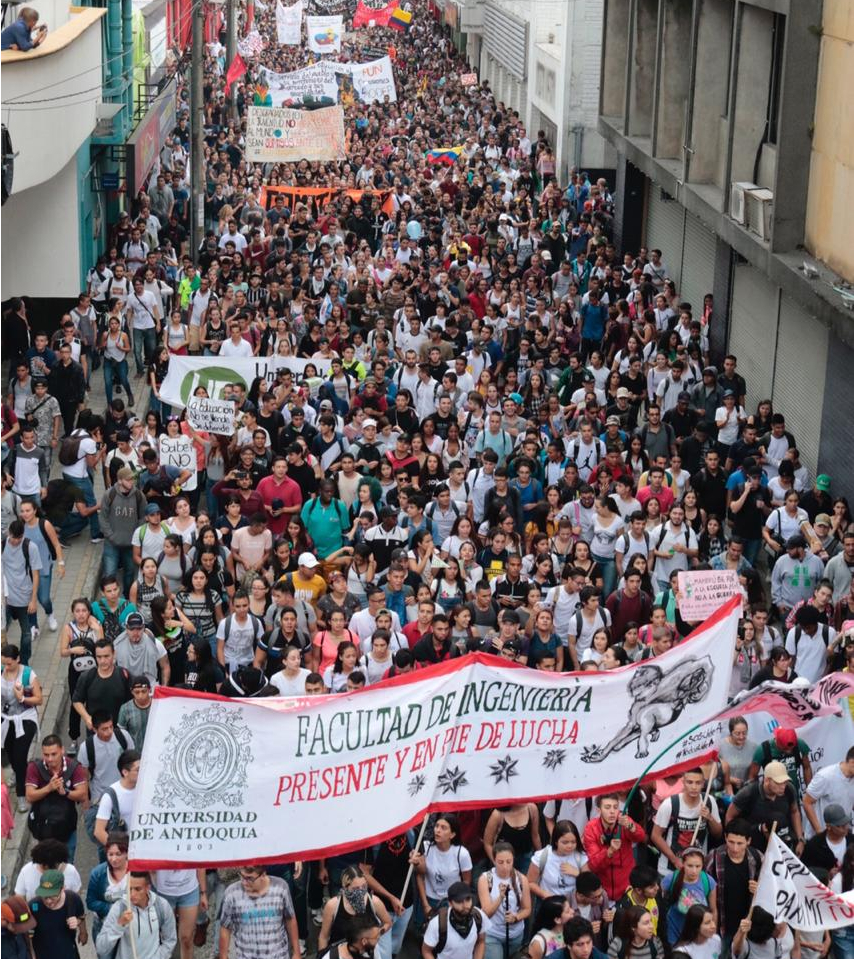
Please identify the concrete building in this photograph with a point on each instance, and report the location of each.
(541, 57)
(734, 142)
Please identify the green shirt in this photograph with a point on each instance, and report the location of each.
(769, 752)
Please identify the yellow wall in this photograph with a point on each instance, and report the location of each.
(831, 187)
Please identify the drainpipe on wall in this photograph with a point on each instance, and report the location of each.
(578, 133)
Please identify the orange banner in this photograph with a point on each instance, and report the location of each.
(320, 196)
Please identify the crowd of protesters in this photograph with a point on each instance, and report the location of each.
(500, 433)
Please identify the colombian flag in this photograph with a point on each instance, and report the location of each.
(448, 155)
(400, 20)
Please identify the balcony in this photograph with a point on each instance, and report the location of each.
(50, 95)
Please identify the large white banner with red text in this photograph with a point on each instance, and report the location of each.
(232, 781)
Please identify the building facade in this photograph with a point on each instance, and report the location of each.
(541, 58)
(727, 117)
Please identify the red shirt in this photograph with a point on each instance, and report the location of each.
(664, 496)
(287, 491)
(412, 633)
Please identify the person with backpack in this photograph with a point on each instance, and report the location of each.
(140, 653)
(458, 930)
(505, 900)
(123, 509)
(644, 889)
(770, 800)
(116, 804)
(104, 687)
(21, 569)
(674, 545)
(786, 747)
(684, 819)
(628, 605)
(60, 919)
(326, 520)
(112, 609)
(634, 936)
(685, 889)
(99, 755)
(141, 926)
(55, 784)
(238, 634)
(42, 533)
(811, 642)
(79, 455)
(21, 695)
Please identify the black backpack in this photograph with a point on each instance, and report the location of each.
(69, 451)
(55, 816)
(90, 747)
(442, 941)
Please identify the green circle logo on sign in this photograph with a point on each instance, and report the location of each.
(213, 378)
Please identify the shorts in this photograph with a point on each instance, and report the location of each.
(186, 901)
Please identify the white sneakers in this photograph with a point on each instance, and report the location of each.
(52, 624)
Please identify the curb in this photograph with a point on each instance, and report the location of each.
(53, 719)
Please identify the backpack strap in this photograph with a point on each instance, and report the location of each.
(90, 753)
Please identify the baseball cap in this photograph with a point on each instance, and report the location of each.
(545, 255)
(307, 559)
(369, 423)
(52, 881)
(834, 815)
(822, 482)
(776, 772)
(135, 621)
(822, 520)
(623, 393)
(785, 738)
(612, 421)
(684, 396)
(710, 370)
(798, 541)
(729, 393)
(458, 891)
(326, 404)
(517, 398)
(151, 509)
(17, 915)
(140, 680)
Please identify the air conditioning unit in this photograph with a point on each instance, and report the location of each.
(737, 206)
(759, 204)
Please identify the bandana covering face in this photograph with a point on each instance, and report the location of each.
(357, 898)
(462, 923)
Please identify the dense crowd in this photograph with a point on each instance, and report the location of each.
(492, 431)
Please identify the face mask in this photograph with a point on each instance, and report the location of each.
(357, 898)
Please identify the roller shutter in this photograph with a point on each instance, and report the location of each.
(799, 376)
(698, 263)
(753, 330)
(665, 224)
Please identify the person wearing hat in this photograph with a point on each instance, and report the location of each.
(135, 713)
(140, 653)
(832, 785)
(794, 575)
(825, 544)
(18, 922)
(818, 499)
(681, 417)
(308, 584)
(771, 799)
(461, 932)
(60, 919)
(827, 848)
(785, 747)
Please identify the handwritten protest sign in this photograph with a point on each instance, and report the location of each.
(468, 79)
(289, 23)
(179, 451)
(701, 592)
(324, 34)
(791, 893)
(211, 416)
(281, 135)
(313, 86)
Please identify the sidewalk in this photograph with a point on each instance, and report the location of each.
(83, 564)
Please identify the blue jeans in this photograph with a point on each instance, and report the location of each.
(23, 617)
(84, 483)
(116, 370)
(116, 556)
(495, 947)
(144, 344)
(398, 930)
(751, 550)
(843, 942)
(609, 574)
(73, 524)
(72, 846)
(45, 581)
(156, 406)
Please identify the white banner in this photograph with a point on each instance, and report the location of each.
(791, 893)
(289, 23)
(187, 372)
(179, 451)
(211, 416)
(314, 86)
(279, 135)
(252, 781)
(373, 81)
(324, 34)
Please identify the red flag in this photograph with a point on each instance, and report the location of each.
(235, 72)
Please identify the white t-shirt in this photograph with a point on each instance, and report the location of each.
(126, 798)
(728, 433)
(230, 348)
(444, 869)
(563, 606)
(30, 876)
(175, 882)
(87, 447)
(582, 629)
(811, 651)
(664, 567)
(683, 829)
(455, 947)
(710, 949)
(290, 686)
(240, 645)
(142, 310)
(830, 785)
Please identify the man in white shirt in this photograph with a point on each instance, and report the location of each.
(809, 641)
(563, 601)
(833, 785)
(123, 791)
(234, 236)
(144, 313)
(235, 345)
(465, 936)
(364, 622)
(237, 635)
(586, 450)
(674, 543)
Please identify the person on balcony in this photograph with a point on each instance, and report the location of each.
(19, 35)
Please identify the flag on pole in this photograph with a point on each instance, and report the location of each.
(235, 71)
(448, 155)
(400, 20)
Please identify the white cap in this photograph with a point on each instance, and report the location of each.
(307, 559)
(368, 423)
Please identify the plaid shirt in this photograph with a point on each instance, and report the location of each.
(716, 868)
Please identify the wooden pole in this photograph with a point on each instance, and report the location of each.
(411, 869)
(705, 800)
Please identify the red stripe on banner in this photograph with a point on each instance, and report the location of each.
(439, 807)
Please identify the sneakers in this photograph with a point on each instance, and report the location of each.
(23, 805)
(72, 748)
(302, 947)
(98, 539)
(317, 916)
(52, 624)
(35, 632)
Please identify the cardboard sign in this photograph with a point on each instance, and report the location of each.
(702, 592)
(179, 451)
(211, 416)
(288, 136)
